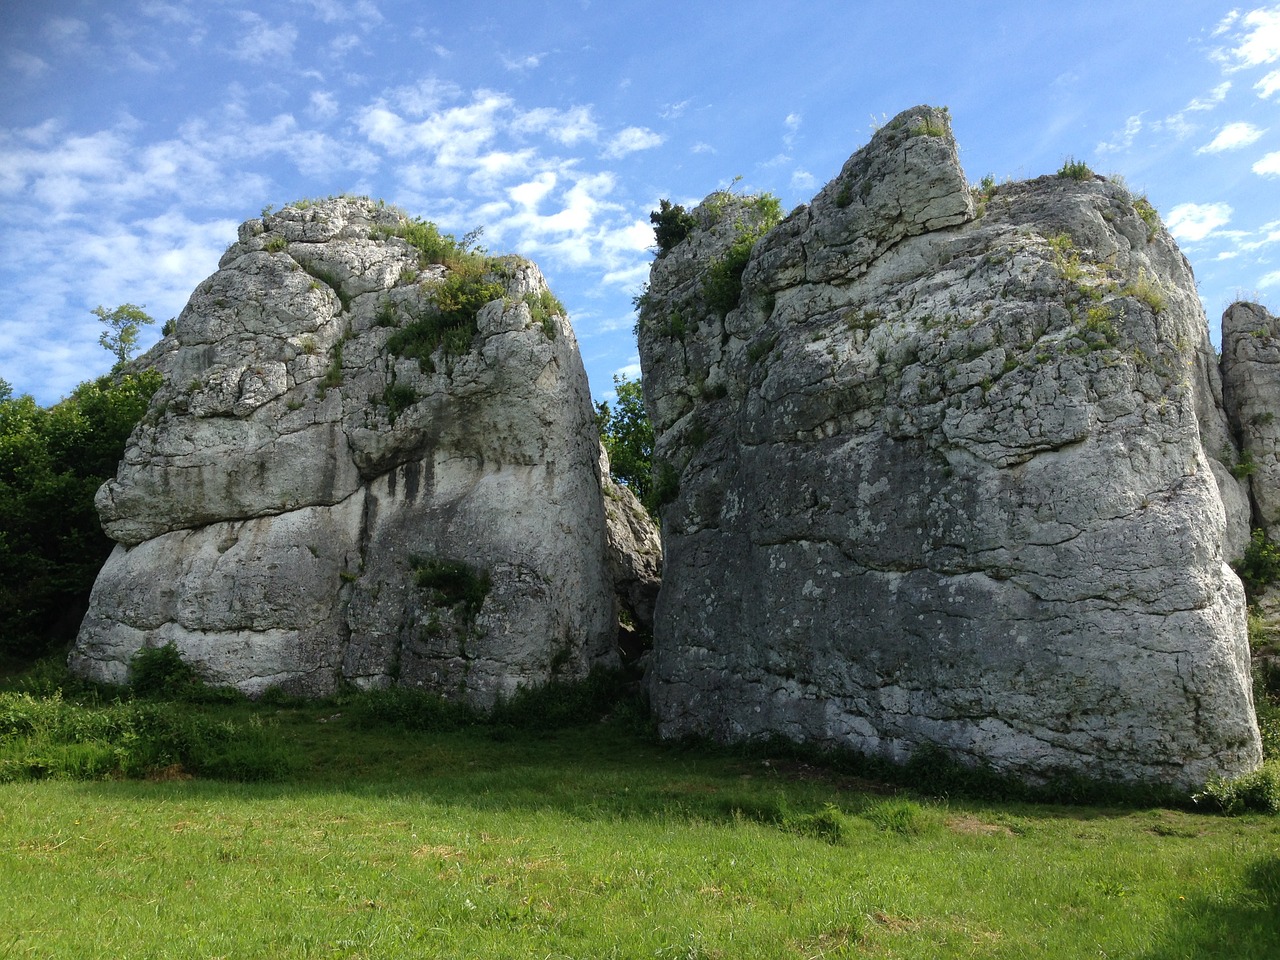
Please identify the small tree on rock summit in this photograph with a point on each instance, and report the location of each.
(123, 324)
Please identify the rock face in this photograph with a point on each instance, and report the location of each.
(303, 506)
(1251, 388)
(945, 472)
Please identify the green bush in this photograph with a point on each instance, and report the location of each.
(452, 583)
(53, 738)
(671, 224)
(1073, 169)
(723, 286)
(451, 320)
(434, 246)
(1260, 565)
(1257, 792)
(160, 672)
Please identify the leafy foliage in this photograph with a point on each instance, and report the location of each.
(1073, 169)
(671, 224)
(628, 438)
(123, 325)
(433, 245)
(52, 461)
(723, 287)
(51, 738)
(161, 672)
(1260, 565)
(452, 583)
(451, 320)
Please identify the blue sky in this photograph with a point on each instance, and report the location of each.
(134, 137)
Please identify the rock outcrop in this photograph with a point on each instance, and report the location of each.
(946, 470)
(1251, 388)
(363, 466)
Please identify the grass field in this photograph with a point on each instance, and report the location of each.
(596, 841)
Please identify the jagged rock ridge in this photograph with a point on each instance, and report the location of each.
(948, 472)
(303, 506)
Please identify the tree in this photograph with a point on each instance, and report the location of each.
(123, 324)
(671, 224)
(52, 461)
(628, 439)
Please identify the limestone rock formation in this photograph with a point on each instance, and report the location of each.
(635, 561)
(1251, 388)
(363, 465)
(944, 472)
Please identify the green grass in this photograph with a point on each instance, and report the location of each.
(395, 835)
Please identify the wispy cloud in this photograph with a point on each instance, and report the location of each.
(1232, 137)
(66, 34)
(1132, 127)
(529, 61)
(792, 124)
(631, 140)
(567, 127)
(1214, 98)
(323, 106)
(25, 63)
(1195, 221)
(480, 156)
(364, 12)
(1256, 39)
(1269, 85)
(803, 181)
(262, 41)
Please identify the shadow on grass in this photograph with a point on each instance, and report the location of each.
(1207, 924)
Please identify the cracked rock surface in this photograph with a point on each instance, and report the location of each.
(301, 506)
(949, 473)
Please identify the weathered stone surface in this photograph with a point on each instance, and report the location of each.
(1251, 388)
(635, 551)
(938, 478)
(293, 479)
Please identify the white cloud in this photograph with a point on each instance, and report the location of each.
(1195, 221)
(1269, 165)
(1232, 137)
(364, 12)
(631, 140)
(1259, 41)
(803, 180)
(522, 64)
(26, 63)
(673, 111)
(264, 42)
(324, 105)
(1269, 85)
(564, 126)
(66, 33)
(1215, 97)
(792, 123)
(1132, 127)
(701, 147)
(630, 372)
(532, 192)
(1271, 279)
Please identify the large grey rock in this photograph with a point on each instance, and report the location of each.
(938, 478)
(1251, 388)
(301, 506)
